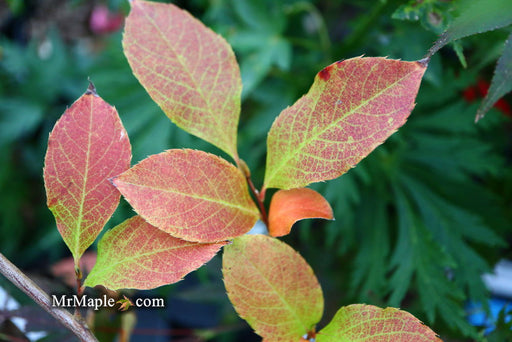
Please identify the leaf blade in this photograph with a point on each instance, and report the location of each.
(281, 300)
(501, 83)
(188, 70)
(476, 17)
(87, 146)
(290, 206)
(137, 255)
(190, 194)
(323, 135)
(359, 322)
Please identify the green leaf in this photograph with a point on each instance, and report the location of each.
(190, 71)
(501, 82)
(87, 146)
(272, 287)
(352, 107)
(190, 194)
(136, 255)
(418, 254)
(371, 260)
(476, 16)
(369, 323)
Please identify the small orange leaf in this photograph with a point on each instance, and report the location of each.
(290, 206)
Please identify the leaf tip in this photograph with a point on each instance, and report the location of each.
(479, 115)
(91, 89)
(424, 61)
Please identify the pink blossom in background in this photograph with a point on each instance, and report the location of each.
(103, 21)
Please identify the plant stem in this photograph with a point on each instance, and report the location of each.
(24, 283)
(260, 197)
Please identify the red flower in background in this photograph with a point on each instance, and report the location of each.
(104, 21)
(480, 90)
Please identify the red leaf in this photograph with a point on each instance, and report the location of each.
(189, 70)
(272, 287)
(372, 324)
(139, 256)
(290, 206)
(87, 146)
(352, 107)
(190, 194)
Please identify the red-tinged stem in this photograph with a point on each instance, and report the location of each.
(79, 289)
(260, 197)
(24, 283)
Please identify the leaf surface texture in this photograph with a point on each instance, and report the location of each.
(352, 107)
(87, 146)
(190, 194)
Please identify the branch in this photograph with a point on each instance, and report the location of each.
(24, 283)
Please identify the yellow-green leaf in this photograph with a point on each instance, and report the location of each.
(137, 255)
(272, 287)
(368, 323)
(187, 69)
(352, 107)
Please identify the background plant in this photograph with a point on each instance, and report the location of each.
(426, 143)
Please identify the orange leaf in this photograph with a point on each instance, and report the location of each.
(87, 146)
(272, 287)
(368, 323)
(137, 255)
(352, 107)
(188, 70)
(190, 194)
(290, 206)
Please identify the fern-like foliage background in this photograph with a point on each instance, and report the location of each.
(417, 222)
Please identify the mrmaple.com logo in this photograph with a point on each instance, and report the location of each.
(74, 301)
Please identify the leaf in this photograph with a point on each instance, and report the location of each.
(476, 17)
(272, 287)
(352, 107)
(190, 194)
(360, 322)
(418, 255)
(290, 206)
(124, 304)
(87, 146)
(190, 71)
(501, 82)
(139, 256)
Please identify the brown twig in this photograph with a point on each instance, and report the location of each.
(24, 283)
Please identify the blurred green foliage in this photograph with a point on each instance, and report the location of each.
(417, 222)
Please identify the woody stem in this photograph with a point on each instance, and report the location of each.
(24, 283)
